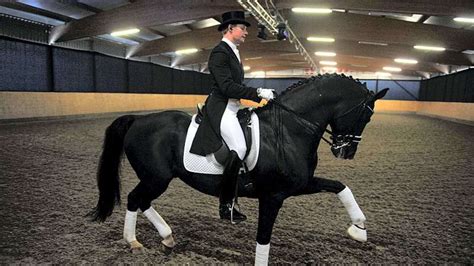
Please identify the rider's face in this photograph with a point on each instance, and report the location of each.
(239, 33)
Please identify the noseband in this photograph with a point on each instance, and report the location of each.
(338, 140)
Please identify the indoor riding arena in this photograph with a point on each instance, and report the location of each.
(66, 75)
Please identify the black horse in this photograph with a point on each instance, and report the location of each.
(291, 128)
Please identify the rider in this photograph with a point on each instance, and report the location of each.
(220, 121)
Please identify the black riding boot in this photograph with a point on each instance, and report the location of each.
(231, 173)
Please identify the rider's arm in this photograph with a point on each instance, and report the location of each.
(219, 66)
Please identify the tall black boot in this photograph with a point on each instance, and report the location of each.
(231, 173)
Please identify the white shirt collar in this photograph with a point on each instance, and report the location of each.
(231, 44)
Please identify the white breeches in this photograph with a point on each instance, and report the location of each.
(231, 131)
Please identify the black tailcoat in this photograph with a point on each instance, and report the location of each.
(228, 75)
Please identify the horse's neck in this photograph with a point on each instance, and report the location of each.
(315, 107)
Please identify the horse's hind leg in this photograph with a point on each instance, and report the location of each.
(141, 197)
(357, 230)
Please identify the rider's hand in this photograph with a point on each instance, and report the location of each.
(266, 94)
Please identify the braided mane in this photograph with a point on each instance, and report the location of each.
(316, 78)
(311, 79)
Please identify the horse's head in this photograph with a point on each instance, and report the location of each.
(348, 124)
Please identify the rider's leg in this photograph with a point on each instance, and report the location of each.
(231, 131)
(235, 140)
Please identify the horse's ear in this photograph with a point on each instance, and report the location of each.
(380, 94)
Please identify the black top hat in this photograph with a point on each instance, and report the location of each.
(233, 17)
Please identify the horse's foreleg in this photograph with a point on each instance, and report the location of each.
(357, 230)
(267, 213)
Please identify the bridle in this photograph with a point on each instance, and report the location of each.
(338, 140)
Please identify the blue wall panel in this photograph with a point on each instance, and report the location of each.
(73, 70)
(110, 74)
(24, 67)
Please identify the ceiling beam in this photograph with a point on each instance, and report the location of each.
(200, 39)
(426, 7)
(141, 13)
(390, 52)
(423, 19)
(34, 10)
(255, 48)
(347, 26)
(86, 7)
(248, 51)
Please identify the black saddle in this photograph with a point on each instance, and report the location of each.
(244, 116)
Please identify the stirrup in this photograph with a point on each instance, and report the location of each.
(232, 206)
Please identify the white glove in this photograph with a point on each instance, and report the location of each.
(266, 94)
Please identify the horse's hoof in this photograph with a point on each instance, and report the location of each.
(166, 250)
(167, 245)
(357, 233)
(136, 247)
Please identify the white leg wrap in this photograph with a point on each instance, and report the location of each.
(352, 208)
(261, 254)
(129, 226)
(163, 228)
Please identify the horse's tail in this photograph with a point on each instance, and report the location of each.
(108, 179)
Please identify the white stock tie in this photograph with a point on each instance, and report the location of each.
(237, 54)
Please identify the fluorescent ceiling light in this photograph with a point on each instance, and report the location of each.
(468, 52)
(205, 23)
(373, 43)
(311, 10)
(186, 51)
(289, 54)
(299, 63)
(246, 68)
(405, 61)
(382, 74)
(254, 58)
(258, 73)
(182, 22)
(355, 65)
(364, 57)
(429, 48)
(320, 53)
(328, 63)
(125, 32)
(392, 69)
(320, 39)
(330, 68)
(465, 20)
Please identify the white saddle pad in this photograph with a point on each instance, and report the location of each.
(208, 164)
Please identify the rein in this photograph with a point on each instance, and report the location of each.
(312, 127)
(316, 128)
